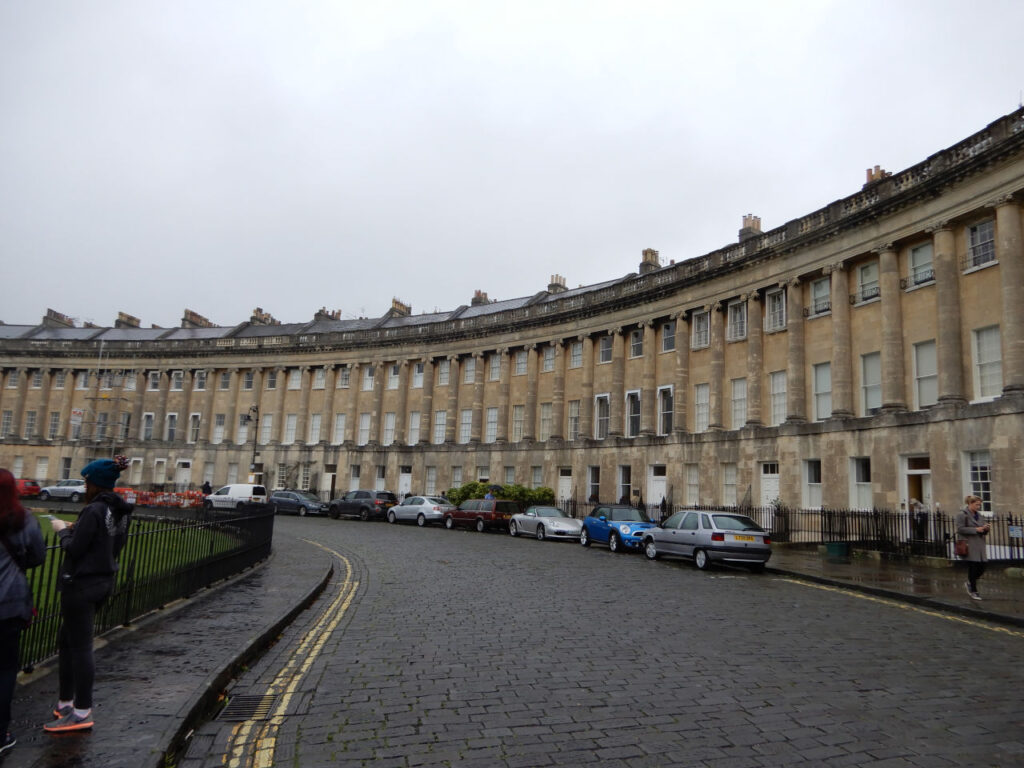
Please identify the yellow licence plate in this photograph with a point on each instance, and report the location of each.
(737, 537)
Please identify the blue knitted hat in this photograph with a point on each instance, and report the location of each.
(104, 472)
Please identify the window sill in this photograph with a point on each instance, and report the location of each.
(979, 267)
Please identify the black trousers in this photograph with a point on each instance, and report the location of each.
(10, 634)
(974, 572)
(76, 669)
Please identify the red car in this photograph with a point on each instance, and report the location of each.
(28, 489)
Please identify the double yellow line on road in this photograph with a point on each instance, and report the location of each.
(253, 742)
(908, 607)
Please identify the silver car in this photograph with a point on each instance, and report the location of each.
(64, 489)
(545, 523)
(710, 537)
(422, 509)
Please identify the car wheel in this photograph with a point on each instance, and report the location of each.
(44, 496)
(480, 525)
(333, 512)
(364, 514)
(75, 496)
(391, 518)
(421, 520)
(650, 550)
(613, 542)
(701, 559)
(303, 511)
(584, 537)
(540, 533)
(513, 528)
(449, 523)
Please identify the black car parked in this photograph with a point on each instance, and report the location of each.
(297, 503)
(363, 504)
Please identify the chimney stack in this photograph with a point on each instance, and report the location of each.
(479, 297)
(400, 309)
(557, 284)
(649, 261)
(259, 317)
(751, 227)
(124, 320)
(55, 319)
(194, 320)
(327, 314)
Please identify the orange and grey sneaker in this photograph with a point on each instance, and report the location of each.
(70, 722)
(60, 711)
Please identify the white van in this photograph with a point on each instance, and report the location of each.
(235, 495)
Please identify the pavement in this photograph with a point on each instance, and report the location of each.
(163, 677)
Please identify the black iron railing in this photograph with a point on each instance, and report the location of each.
(899, 533)
(165, 558)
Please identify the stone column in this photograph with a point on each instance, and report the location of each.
(530, 415)
(796, 366)
(331, 389)
(893, 384)
(716, 373)
(506, 394)
(478, 397)
(64, 428)
(206, 422)
(354, 387)
(181, 433)
(281, 420)
(452, 417)
(648, 397)
(253, 433)
(949, 348)
(558, 392)
(403, 403)
(43, 420)
(302, 419)
(681, 390)
(20, 401)
(160, 412)
(1010, 252)
(233, 409)
(617, 396)
(427, 403)
(587, 388)
(755, 358)
(841, 370)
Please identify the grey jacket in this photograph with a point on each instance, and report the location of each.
(967, 528)
(28, 547)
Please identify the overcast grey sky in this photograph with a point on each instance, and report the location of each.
(292, 155)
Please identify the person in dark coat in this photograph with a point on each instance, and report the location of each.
(207, 488)
(22, 549)
(90, 547)
(973, 529)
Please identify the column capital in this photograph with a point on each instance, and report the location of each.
(680, 316)
(556, 343)
(1001, 200)
(646, 323)
(754, 295)
(615, 331)
(792, 282)
(452, 358)
(530, 347)
(582, 336)
(718, 306)
(882, 248)
(938, 226)
(835, 266)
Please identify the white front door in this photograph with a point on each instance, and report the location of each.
(769, 482)
(656, 490)
(564, 483)
(404, 481)
(183, 475)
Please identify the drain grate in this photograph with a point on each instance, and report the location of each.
(242, 708)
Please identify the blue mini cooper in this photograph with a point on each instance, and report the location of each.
(620, 526)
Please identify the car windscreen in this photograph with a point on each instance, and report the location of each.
(628, 515)
(437, 500)
(548, 512)
(307, 496)
(735, 523)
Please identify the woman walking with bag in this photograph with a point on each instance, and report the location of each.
(971, 528)
(90, 548)
(22, 548)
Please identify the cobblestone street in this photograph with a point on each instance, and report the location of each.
(459, 648)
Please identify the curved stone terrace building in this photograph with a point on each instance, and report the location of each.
(868, 353)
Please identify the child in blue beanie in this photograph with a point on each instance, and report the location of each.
(90, 547)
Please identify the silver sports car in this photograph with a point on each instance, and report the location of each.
(545, 523)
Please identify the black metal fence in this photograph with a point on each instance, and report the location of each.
(164, 559)
(899, 533)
